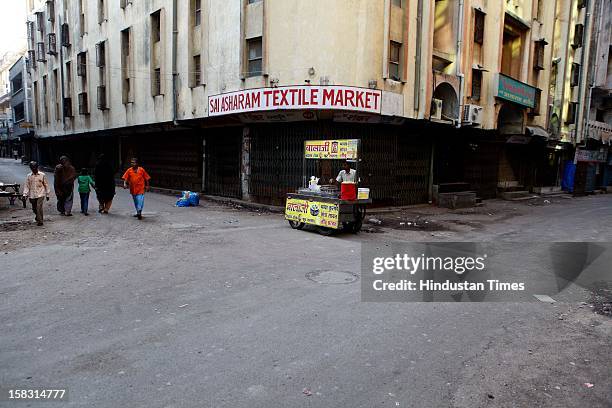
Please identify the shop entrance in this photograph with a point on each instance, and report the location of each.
(222, 164)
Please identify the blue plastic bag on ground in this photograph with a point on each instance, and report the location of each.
(194, 199)
(188, 199)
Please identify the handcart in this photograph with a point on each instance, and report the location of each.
(322, 206)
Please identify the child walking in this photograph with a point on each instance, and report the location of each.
(85, 181)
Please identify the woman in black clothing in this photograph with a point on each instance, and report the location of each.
(105, 184)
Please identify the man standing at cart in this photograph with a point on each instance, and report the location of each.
(346, 175)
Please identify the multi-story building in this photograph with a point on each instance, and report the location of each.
(21, 106)
(219, 96)
(8, 141)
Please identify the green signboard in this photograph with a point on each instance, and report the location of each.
(516, 91)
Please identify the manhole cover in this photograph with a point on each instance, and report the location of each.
(332, 277)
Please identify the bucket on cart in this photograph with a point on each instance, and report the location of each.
(348, 191)
(363, 194)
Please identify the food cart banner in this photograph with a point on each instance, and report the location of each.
(313, 212)
(297, 97)
(331, 149)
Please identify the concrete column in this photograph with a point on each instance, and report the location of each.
(245, 164)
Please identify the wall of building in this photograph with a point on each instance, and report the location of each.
(345, 42)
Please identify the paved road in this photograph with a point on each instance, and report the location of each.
(211, 307)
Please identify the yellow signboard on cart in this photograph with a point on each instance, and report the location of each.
(321, 213)
(345, 149)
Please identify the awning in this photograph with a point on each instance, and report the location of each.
(537, 131)
(478, 67)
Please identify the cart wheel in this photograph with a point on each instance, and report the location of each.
(326, 231)
(296, 225)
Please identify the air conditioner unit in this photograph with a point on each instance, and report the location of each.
(436, 109)
(472, 115)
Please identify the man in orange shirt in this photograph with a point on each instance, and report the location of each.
(138, 180)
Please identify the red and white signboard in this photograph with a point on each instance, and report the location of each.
(298, 97)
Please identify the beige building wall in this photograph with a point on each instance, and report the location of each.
(341, 42)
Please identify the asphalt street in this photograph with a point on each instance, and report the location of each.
(219, 306)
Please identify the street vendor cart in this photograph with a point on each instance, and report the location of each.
(326, 207)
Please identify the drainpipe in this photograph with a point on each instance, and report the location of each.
(586, 44)
(174, 72)
(459, 73)
(61, 53)
(417, 59)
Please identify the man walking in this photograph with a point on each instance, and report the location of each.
(36, 188)
(138, 180)
(65, 174)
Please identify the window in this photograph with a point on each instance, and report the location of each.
(44, 99)
(40, 21)
(68, 78)
(572, 110)
(32, 58)
(600, 115)
(197, 12)
(101, 11)
(58, 95)
(51, 10)
(82, 64)
(156, 86)
(125, 65)
(16, 84)
(539, 12)
(479, 25)
(83, 104)
(538, 55)
(82, 17)
(395, 49)
(575, 74)
(102, 97)
(255, 57)
(65, 35)
(578, 35)
(535, 111)
(476, 84)
(18, 113)
(36, 105)
(52, 44)
(30, 30)
(41, 52)
(156, 26)
(100, 55)
(514, 46)
(197, 70)
(397, 3)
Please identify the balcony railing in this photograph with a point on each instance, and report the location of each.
(600, 131)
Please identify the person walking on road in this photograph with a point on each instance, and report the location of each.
(65, 174)
(138, 180)
(105, 184)
(85, 181)
(36, 188)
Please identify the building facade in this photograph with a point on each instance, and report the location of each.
(9, 142)
(219, 96)
(21, 107)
